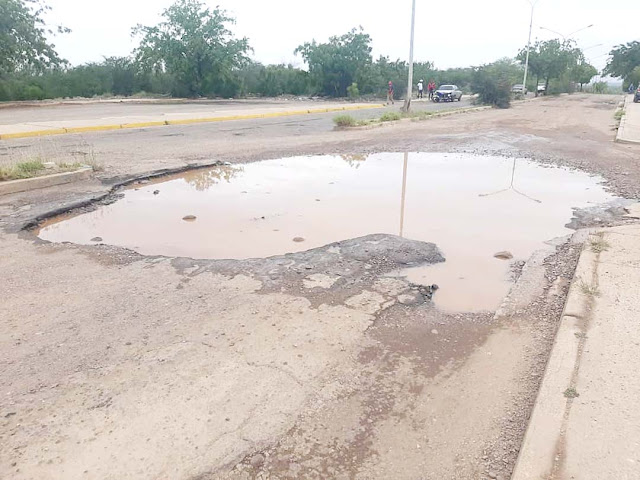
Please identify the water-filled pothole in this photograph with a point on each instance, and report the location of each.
(470, 206)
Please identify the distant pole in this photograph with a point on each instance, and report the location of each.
(526, 63)
(407, 101)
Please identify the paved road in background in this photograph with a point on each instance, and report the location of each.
(197, 143)
(24, 119)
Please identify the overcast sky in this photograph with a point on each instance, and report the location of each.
(448, 32)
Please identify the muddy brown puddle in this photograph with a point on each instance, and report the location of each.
(470, 206)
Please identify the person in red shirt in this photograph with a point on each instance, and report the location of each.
(431, 88)
(390, 93)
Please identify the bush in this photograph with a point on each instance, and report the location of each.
(491, 89)
(352, 90)
(493, 82)
(390, 117)
(344, 121)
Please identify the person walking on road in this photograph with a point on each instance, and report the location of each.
(390, 93)
(420, 88)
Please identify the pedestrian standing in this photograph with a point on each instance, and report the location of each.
(631, 88)
(420, 88)
(431, 88)
(390, 93)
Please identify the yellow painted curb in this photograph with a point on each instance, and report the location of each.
(35, 133)
(189, 121)
(144, 124)
(95, 128)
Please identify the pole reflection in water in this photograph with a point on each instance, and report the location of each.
(511, 187)
(404, 192)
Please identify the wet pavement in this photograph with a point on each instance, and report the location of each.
(470, 206)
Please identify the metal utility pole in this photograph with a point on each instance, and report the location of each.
(407, 101)
(526, 63)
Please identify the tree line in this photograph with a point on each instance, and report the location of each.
(191, 52)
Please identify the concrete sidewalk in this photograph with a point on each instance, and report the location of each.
(92, 119)
(629, 129)
(586, 421)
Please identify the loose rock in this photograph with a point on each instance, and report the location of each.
(96, 239)
(504, 255)
(189, 218)
(257, 460)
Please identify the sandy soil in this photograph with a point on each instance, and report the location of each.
(314, 365)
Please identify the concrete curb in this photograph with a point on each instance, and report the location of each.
(543, 438)
(620, 136)
(23, 185)
(160, 123)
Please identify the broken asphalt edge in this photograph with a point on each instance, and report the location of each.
(111, 188)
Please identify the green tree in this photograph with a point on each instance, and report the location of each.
(23, 42)
(383, 71)
(123, 75)
(194, 45)
(582, 73)
(624, 59)
(551, 59)
(335, 65)
(634, 76)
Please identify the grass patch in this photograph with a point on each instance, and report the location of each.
(619, 114)
(68, 167)
(94, 164)
(349, 121)
(598, 244)
(36, 168)
(345, 121)
(17, 171)
(390, 117)
(589, 290)
(571, 393)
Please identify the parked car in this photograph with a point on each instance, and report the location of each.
(447, 93)
(542, 88)
(636, 96)
(519, 88)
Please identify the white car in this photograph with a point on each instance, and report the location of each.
(447, 93)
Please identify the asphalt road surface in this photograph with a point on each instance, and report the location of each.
(315, 365)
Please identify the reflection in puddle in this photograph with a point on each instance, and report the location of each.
(470, 206)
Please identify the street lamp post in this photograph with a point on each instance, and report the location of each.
(566, 37)
(407, 101)
(526, 63)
